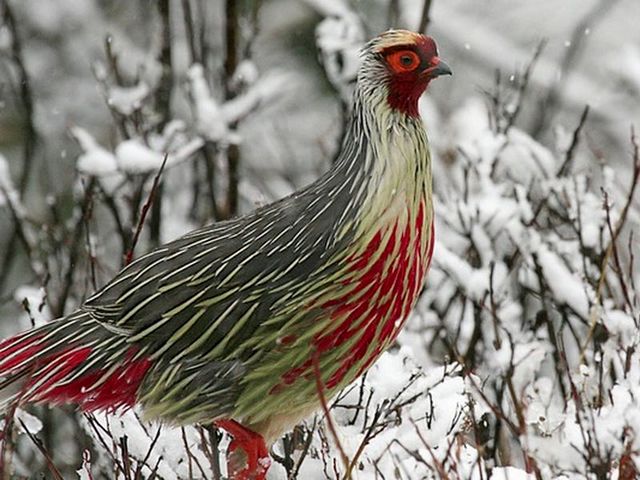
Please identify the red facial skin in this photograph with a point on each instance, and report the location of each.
(410, 67)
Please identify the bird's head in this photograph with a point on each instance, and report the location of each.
(402, 63)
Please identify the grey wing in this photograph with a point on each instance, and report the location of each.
(207, 292)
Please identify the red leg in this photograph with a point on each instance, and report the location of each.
(255, 460)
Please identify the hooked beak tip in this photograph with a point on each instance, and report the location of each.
(440, 68)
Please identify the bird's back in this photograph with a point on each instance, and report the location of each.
(185, 323)
(237, 319)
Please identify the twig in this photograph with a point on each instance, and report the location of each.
(231, 61)
(26, 94)
(327, 414)
(568, 158)
(74, 249)
(31, 134)
(50, 465)
(210, 447)
(393, 13)
(614, 236)
(305, 450)
(123, 232)
(145, 209)
(147, 455)
(425, 18)
(191, 33)
(165, 87)
(163, 105)
(523, 84)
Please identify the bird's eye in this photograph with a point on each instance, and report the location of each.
(403, 61)
(406, 60)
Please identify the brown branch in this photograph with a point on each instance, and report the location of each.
(568, 158)
(425, 17)
(165, 87)
(31, 134)
(163, 105)
(50, 465)
(523, 84)
(393, 13)
(614, 236)
(231, 60)
(145, 209)
(26, 94)
(305, 450)
(327, 414)
(74, 249)
(138, 475)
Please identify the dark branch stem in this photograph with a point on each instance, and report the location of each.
(425, 18)
(145, 210)
(74, 249)
(568, 159)
(163, 105)
(30, 137)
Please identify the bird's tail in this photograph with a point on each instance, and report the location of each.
(18, 356)
(70, 360)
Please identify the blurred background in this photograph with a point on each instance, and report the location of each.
(248, 98)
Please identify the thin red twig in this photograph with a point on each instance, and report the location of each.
(145, 210)
(325, 409)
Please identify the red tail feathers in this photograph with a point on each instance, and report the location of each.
(56, 376)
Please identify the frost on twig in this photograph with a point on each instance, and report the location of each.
(213, 118)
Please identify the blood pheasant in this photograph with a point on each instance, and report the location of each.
(229, 323)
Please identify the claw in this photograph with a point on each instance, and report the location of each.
(247, 455)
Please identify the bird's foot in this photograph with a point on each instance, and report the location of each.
(247, 456)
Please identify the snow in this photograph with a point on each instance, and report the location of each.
(133, 156)
(209, 119)
(27, 422)
(628, 55)
(266, 88)
(33, 298)
(246, 73)
(6, 184)
(510, 473)
(339, 38)
(475, 282)
(95, 159)
(489, 321)
(84, 473)
(127, 100)
(563, 285)
(213, 119)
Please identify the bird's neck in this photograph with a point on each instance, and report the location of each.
(392, 167)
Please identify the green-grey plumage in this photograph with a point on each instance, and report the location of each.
(225, 313)
(228, 292)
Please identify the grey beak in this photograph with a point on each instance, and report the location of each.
(441, 69)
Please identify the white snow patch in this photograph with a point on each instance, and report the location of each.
(32, 424)
(564, 285)
(510, 473)
(95, 159)
(35, 299)
(135, 157)
(6, 184)
(127, 100)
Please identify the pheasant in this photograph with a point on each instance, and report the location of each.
(233, 323)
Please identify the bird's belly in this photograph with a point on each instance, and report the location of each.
(353, 326)
(372, 302)
(387, 280)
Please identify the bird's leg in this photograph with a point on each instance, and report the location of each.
(247, 456)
